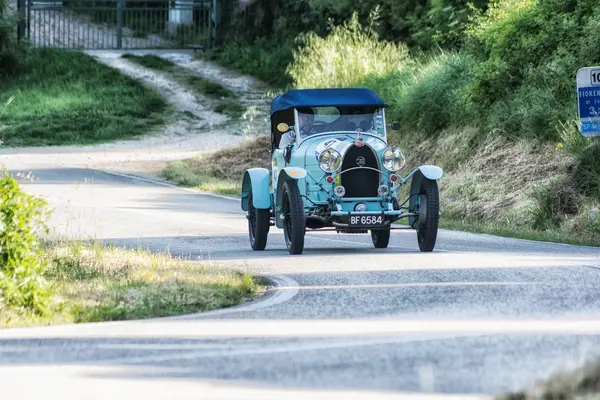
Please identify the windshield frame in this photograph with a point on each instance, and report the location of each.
(299, 138)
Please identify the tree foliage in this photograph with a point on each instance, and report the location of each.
(422, 24)
(12, 53)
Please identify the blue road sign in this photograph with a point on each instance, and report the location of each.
(588, 101)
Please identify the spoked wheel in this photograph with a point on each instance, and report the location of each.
(294, 220)
(429, 215)
(258, 225)
(380, 237)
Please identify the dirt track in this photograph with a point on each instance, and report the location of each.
(195, 127)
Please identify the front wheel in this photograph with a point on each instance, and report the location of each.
(258, 225)
(294, 220)
(429, 215)
(380, 237)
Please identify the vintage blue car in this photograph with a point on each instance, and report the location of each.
(332, 169)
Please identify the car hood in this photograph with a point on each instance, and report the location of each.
(341, 142)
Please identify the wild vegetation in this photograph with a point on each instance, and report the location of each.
(91, 282)
(46, 281)
(485, 90)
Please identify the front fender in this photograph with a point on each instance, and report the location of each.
(430, 172)
(286, 174)
(259, 180)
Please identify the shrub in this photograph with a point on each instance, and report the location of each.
(553, 203)
(427, 96)
(349, 53)
(529, 52)
(22, 263)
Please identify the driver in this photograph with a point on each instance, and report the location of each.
(306, 119)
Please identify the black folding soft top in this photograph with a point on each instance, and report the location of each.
(338, 97)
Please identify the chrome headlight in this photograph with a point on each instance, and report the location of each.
(393, 159)
(330, 161)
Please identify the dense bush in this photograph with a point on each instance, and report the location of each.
(22, 264)
(530, 51)
(427, 96)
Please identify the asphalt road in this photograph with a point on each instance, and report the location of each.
(479, 316)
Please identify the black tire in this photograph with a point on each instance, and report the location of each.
(294, 221)
(258, 225)
(429, 215)
(380, 237)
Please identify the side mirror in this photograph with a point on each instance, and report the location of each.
(394, 125)
(287, 153)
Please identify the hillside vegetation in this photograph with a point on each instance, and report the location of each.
(486, 91)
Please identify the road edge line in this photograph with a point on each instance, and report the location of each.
(275, 295)
(161, 182)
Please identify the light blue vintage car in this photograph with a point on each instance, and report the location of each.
(332, 169)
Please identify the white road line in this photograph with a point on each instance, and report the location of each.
(260, 349)
(408, 285)
(168, 184)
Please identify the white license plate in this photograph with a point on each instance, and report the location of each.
(366, 220)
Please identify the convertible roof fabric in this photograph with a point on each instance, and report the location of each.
(346, 97)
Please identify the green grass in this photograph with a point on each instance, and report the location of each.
(97, 283)
(208, 88)
(230, 107)
(151, 61)
(70, 98)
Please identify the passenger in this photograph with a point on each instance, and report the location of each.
(359, 119)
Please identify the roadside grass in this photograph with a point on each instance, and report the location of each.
(224, 101)
(93, 282)
(75, 100)
(466, 189)
(580, 383)
(494, 228)
(186, 173)
(220, 171)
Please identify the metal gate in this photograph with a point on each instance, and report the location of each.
(119, 24)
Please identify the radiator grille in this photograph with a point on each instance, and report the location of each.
(360, 182)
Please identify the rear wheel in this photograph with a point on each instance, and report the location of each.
(380, 238)
(258, 225)
(429, 215)
(294, 220)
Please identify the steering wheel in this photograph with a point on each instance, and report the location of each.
(308, 128)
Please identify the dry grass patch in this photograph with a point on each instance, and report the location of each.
(92, 282)
(221, 171)
(494, 179)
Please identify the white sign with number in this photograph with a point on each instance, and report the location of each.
(588, 101)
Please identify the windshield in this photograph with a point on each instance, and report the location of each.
(314, 120)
